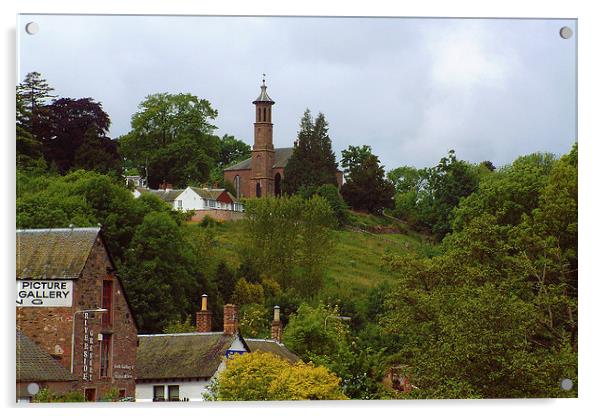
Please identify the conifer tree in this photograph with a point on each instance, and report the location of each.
(313, 162)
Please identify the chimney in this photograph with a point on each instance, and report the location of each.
(230, 319)
(277, 325)
(203, 317)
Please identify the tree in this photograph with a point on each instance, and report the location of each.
(232, 151)
(160, 273)
(288, 238)
(73, 134)
(28, 148)
(34, 92)
(366, 188)
(354, 156)
(264, 376)
(179, 327)
(495, 314)
(171, 139)
(313, 163)
(318, 334)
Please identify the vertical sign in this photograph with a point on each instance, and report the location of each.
(88, 353)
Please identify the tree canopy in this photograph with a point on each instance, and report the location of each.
(264, 376)
(313, 163)
(365, 188)
(172, 139)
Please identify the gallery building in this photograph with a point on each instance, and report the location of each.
(72, 308)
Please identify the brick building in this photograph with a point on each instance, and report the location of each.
(262, 173)
(72, 304)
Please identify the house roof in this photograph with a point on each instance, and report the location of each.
(172, 356)
(281, 157)
(167, 196)
(272, 346)
(35, 364)
(57, 253)
(211, 193)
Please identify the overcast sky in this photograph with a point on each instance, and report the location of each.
(410, 88)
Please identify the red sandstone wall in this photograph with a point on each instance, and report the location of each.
(51, 328)
(220, 215)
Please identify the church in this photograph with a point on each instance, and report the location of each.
(262, 174)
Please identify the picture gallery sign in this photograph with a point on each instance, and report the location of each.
(56, 293)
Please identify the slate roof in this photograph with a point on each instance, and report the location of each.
(35, 364)
(269, 345)
(167, 196)
(281, 157)
(172, 356)
(212, 193)
(57, 253)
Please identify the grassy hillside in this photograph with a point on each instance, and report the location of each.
(355, 264)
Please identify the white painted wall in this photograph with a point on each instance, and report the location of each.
(193, 390)
(190, 200)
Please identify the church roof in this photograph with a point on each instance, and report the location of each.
(281, 157)
(263, 96)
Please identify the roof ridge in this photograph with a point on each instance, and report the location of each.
(39, 230)
(178, 334)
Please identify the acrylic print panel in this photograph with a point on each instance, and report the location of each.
(295, 208)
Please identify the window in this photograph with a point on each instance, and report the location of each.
(258, 190)
(122, 393)
(105, 355)
(179, 204)
(237, 185)
(174, 393)
(212, 203)
(158, 393)
(107, 302)
(270, 114)
(264, 114)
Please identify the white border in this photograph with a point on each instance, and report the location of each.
(589, 130)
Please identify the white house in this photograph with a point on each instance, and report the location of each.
(181, 367)
(195, 199)
(201, 199)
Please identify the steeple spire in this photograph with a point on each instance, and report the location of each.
(263, 96)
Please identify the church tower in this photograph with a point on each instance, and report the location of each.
(263, 155)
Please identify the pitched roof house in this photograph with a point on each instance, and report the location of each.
(180, 367)
(35, 366)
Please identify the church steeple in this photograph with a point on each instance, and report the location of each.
(262, 159)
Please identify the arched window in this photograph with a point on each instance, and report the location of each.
(258, 114)
(270, 114)
(237, 186)
(264, 112)
(277, 180)
(258, 190)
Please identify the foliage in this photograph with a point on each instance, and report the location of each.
(331, 194)
(171, 139)
(73, 135)
(111, 396)
(45, 395)
(247, 293)
(84, 199)
(160, 271)
(33, 92)
(495, 314)
(366, 188)
(288, 238)
(426, 198)
(28, 148)
(313, 163)
(264, 376)
(226, 281)
(232, 151)
(318, 334)
(254, 321)
(179, 327)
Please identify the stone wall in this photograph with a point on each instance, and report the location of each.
(220, 215)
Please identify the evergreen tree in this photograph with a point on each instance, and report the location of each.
(35, 92)
(313, 162)
(366, 188)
